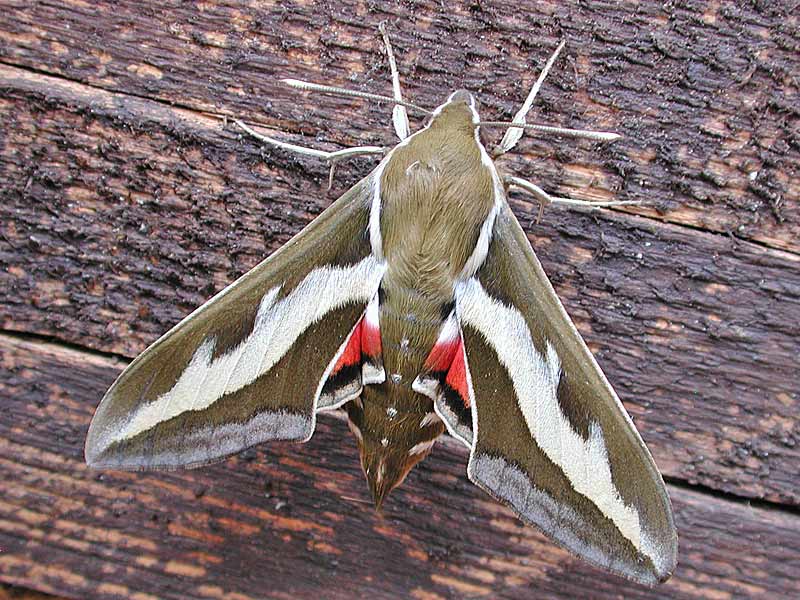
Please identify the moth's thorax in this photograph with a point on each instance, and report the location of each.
(436, 192)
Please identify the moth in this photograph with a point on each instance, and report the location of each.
(416, 303)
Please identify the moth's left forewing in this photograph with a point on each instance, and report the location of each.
(551, 437)
(255, 362)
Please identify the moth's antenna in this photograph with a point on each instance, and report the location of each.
(601, 136)
(399, 114)
(512, 136)
(327, 89)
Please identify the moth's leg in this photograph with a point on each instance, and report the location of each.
(323, 154)
(545, 198)
(331, 157)
(513, 135)
(399, 113)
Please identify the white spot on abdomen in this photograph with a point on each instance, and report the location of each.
(421, 447)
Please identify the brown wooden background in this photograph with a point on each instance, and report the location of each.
(125, 201)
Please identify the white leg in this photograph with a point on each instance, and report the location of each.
(545, 198)
(513, 135)
(399, 114)
(331, 157)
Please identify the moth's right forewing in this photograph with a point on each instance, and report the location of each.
(551, 438)
(250, 364)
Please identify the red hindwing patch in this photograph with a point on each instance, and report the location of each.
(352, 352)
(370, 338)
(447, 363)
(442, 355)
(457, 374)
(365, 341)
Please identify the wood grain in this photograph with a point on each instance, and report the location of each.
(287, 521)
(122, 215)
(705, 94)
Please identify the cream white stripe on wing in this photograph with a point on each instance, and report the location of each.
(277, 326)
(375, 237)
(535, 378)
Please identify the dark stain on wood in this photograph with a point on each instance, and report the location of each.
(10, 592)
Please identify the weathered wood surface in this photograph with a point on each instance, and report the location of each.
(123, 206)
(245, 526)
(706, 94)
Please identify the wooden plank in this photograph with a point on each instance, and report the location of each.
(122, 214)
(289, 521)
(706, 94)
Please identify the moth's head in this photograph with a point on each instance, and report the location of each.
(460, 111)
(463, 97)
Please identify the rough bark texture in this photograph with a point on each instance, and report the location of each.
(705, 94)
(134, 213)
(126, 201)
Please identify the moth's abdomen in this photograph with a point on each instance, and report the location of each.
(395, 429)
(394, 425)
